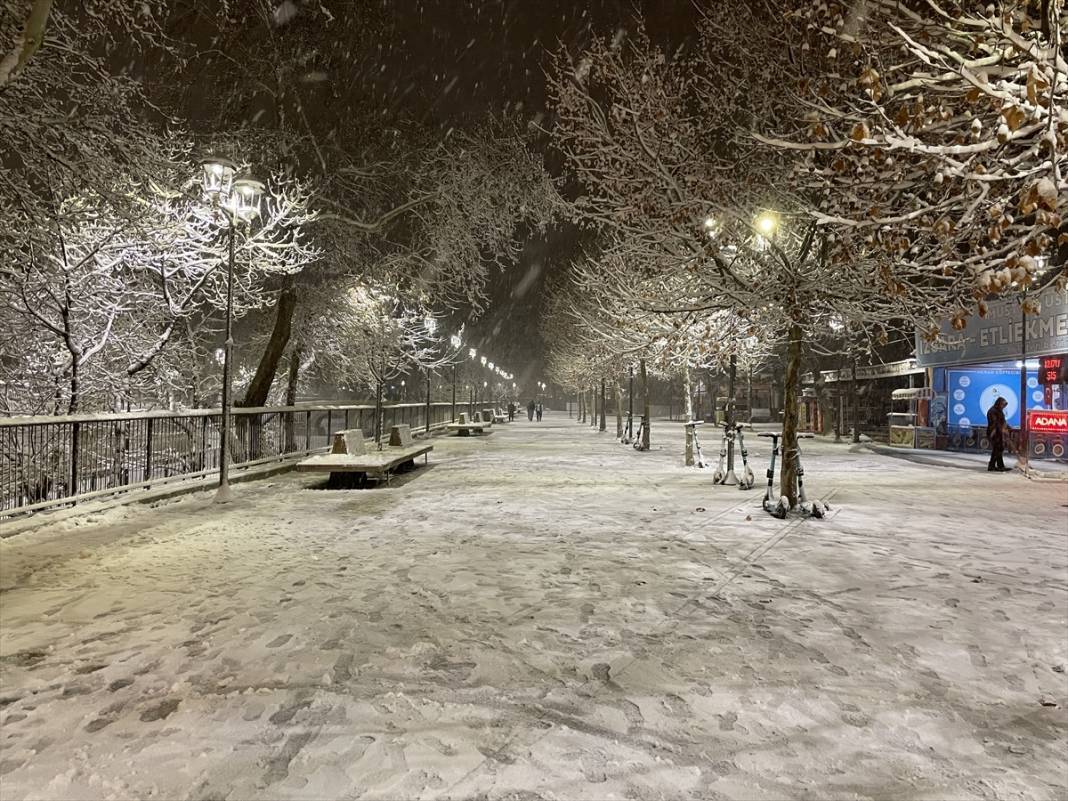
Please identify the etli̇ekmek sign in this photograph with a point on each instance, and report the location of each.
(1000, 334)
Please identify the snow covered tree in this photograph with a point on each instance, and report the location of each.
(105, 288)
(936, 138)
(698, 218)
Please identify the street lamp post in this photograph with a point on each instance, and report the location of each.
(239, 200)
(427, 427)
(456, 344)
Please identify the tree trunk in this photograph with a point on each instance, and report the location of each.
(688, 390)
(292, 378)
(791, 385)
(729, 407)
(604, 421)
(260, 388)
(819, 425)
(619, 410)
(750, 394)
(645, 406)
(853, 410)
(33, 33)
(294, 375)
(711, 390)
(72, 406)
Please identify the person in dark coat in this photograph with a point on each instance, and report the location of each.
(530, 410)
(539, 410)
(511, 411)
(996, 428)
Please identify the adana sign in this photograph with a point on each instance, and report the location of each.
(1048, 422)
(1000, 335)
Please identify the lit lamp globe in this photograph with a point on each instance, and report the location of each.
(245, 198)
(767, 222)
(217, 175)
(483, 361)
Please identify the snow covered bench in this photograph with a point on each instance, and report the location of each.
(351, 463)
(464, 427)
(499, 416)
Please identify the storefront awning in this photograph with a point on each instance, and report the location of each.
(919, 393)
(868, 372)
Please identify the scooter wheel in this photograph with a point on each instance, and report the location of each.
(717, 477)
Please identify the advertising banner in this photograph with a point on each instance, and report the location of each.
(999, 335)
(973, 392)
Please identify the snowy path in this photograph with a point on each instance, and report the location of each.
(545, 613)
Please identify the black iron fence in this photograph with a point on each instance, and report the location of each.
(46, 461)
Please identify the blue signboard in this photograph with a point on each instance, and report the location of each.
(1000, 334)
(972, 393)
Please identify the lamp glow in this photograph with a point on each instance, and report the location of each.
(245, 198)
(767, 222)
(217, 175)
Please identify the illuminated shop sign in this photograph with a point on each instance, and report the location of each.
(1001, 335)
(1044, 422)
(1053, 370)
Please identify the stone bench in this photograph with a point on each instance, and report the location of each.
(351, 462)
(465, 427)
(499, 416)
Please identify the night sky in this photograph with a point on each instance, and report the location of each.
(447, 61)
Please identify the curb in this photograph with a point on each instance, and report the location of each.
(911, 455)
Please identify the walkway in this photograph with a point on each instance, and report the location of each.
(543, 613)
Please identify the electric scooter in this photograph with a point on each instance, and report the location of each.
(638, 446)
(780, 506)
(724, 476)
(748, 479)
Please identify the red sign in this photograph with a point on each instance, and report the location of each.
(1052, 370)
(1043, 422)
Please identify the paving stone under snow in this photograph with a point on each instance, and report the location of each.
(547, 614)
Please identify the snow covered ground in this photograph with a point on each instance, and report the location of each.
(543, 613)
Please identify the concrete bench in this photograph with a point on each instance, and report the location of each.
(499, 416)
(465, 428)
(487, 416)
(350, 462)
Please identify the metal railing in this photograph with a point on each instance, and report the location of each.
(45, 461)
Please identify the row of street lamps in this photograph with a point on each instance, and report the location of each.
(236, 199)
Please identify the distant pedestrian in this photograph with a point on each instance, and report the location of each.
(511, 411)
(996, 429)
(530, 410)
(539, 411)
